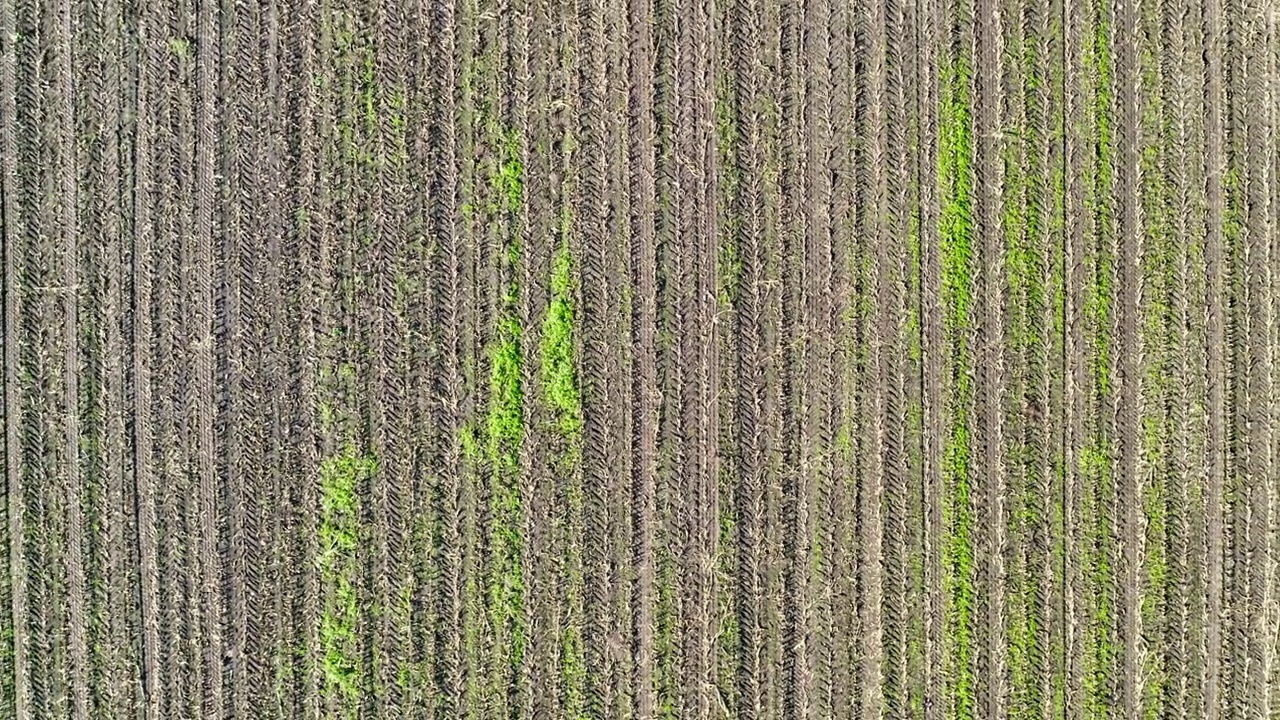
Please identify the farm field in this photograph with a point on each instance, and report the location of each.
(569, 359)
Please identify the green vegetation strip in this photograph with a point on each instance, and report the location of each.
(341, 479)
(957, 236)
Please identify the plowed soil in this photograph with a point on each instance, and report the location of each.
(756, 359)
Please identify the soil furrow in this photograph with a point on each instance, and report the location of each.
(447, 319)
(1129, 352)
(1075, 366)
(274, 508)
(201, 309)
(1212, 30)
(235, 339)
(1182, 654)
(793, 351)
(168, 355)
(929, 37)
(748, 456)
(671, 464)
(1259, 401)
(16, 698)
(706, 231)
(592, 214)
(297, 687)
(644, 321)
(989, 388)
(140, 378)
(821, 375)
(696, 343)
(897, 316)
(880, 283)
(38, 337)
(67, 189)
(107, 573)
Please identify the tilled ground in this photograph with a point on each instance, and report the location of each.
(668, 358)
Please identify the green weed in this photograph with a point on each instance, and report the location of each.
(559, 375)
(957, 235)
(341, 477)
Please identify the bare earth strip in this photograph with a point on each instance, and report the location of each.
(1235, 239)
(172, 484)
(39, 337)
(109, 571)
(1270, 149)
(1180, 646)
(819, 370)
(539, 240)
(301, 694)
(279, 332)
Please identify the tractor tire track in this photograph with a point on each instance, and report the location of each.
(298, 676)
(1075, 368)
(1130, 361)
(202, 338)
